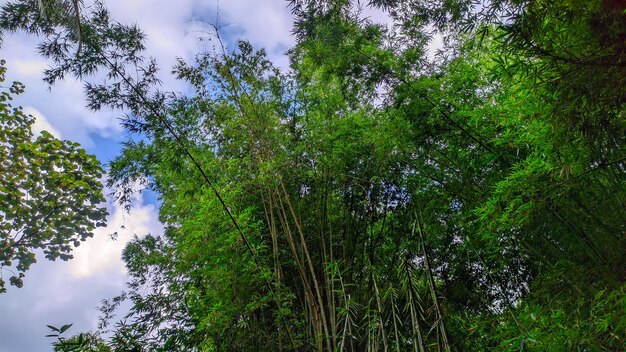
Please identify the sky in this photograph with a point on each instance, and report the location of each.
(60, 292)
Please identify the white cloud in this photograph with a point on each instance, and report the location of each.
(41, 123)
(434, 46)
(165, 24)
(374, 14)
(265, 23)
(170, 31)
(102, 253)
(62, 292)
(63, 106)
(30, 67)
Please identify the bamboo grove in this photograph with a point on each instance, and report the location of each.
(376, 196)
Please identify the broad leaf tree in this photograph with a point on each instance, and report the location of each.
(50, 192)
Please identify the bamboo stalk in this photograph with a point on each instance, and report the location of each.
(417, 331)
(431, 282)
(310, 264)
(380, 313)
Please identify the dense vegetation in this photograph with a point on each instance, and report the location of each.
(372, 197)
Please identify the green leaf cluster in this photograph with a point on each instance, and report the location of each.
(50, 192)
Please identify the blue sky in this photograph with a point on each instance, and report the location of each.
(68, 292)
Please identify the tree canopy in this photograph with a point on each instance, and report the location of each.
(374, 197)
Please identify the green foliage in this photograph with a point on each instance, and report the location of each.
(373, 198)
(50, 192)
(79, 343)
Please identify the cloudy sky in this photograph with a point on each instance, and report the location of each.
(62, 292)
